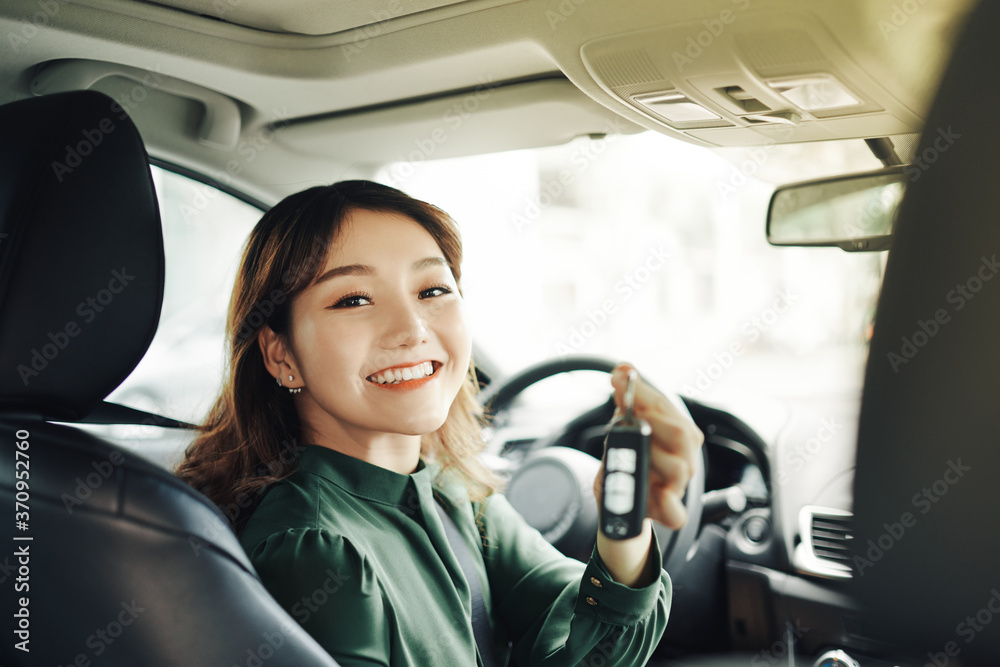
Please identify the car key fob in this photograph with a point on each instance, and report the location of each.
(626, 471)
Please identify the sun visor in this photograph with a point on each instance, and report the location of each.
(311, 17)
(487, 119)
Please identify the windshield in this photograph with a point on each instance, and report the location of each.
(652, 250)
(638, 248)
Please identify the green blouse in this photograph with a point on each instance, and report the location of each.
(357, 554)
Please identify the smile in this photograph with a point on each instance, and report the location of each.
(403, 374)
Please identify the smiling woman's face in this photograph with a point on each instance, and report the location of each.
(380, 338)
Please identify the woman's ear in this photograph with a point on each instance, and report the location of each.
(278, 358)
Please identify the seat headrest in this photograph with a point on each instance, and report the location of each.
(81, 253)
(926, 491)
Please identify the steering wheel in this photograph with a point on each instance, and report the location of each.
(552, 487)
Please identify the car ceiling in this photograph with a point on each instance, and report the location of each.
(273, 97)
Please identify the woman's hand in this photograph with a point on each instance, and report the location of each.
(675, 444)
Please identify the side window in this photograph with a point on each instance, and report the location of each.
(204, 230)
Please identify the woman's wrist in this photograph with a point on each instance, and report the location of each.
(628, 561)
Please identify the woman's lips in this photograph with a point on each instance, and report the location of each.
(405, 377)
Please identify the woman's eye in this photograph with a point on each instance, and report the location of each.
(432, 292)
(353, 301)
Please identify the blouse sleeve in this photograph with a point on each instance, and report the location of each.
(561, 612)
(329, 588)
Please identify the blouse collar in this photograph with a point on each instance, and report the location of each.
(364, 479)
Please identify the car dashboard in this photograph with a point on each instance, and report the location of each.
(768, 579)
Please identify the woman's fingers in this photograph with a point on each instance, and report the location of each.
(666, 506)
(668, 470)
(672, 431)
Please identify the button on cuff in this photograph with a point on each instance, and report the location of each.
(608, 601)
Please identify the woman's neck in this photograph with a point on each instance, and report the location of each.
(392, 451)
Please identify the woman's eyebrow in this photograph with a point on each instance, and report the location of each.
(366, 270)
(429, 261)
(347, 270)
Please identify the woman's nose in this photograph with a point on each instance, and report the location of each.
(405, 327)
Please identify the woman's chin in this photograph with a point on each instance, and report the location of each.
(424, 425)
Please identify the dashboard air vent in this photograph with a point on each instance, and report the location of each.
(826, 539)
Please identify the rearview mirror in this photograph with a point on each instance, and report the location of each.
(854, 213)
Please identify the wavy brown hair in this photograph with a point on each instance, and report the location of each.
(251, 436)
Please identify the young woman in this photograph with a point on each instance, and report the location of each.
(348, 417)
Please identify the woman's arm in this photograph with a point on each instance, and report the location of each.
(561, 612)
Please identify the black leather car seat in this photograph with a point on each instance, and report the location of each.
(114, 561)
(927, 495)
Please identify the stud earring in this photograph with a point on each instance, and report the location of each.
(296, 390)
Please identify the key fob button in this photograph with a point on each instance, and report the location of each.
(619, 492)
(621, 459)
(616, 526)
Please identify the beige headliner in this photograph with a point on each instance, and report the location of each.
(385, 74)
(308, 17)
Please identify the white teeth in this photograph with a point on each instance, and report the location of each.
(395, 375)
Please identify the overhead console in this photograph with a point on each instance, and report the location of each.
(744, 77)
